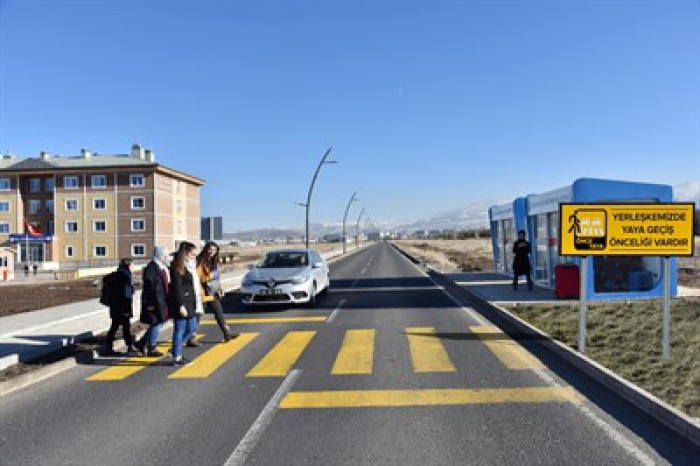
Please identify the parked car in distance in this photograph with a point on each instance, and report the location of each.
(286, 276)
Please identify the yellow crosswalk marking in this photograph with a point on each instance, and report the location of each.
(356, 353)
(427, 352)
(271, 320)
(432, 397)
(279, 361)
(127, 367)
(207, 363)
(511, 354)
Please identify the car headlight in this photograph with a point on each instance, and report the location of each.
(300, 280)
(247, 281)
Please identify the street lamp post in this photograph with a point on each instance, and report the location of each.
(345, 218)
(357, 238)
(311, 189)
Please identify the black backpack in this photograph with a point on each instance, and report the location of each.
(108, 284)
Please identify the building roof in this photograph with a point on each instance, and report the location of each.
(55, 162)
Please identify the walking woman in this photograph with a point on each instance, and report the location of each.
(182, 302)
(521, 261)
(208, 273)
(154, 301)
(121, 307)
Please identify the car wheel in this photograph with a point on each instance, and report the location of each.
(312, 298)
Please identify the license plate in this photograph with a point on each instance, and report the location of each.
(270, 292)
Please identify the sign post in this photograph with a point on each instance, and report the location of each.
(649, 229)
(667, 311)
(583, 305)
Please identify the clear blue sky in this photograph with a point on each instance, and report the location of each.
(428, 105)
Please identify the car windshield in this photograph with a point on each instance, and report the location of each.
(279, 260)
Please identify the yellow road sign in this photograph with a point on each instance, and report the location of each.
(626, 229)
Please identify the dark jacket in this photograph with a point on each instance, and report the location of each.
(181, 293)
(521, 261)
(154, 298)
(123, 295)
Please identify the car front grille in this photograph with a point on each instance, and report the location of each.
(265, 282)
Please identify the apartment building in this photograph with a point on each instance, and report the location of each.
(92, 209)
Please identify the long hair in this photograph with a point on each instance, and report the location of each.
(179, 262)
(208, 264)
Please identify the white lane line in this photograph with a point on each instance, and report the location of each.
(335, 312)
(470, 312)
(605, 426)
(245, 447)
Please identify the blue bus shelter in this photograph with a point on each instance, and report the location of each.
(609, 277)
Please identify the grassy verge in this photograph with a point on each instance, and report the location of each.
(626, 338)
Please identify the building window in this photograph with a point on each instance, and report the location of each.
(34, 206)
(4, 228)
(70, 182)
(50, 228)
(179, 227)
(35, 185)
(3, 261)
(98, 181)
(178, 186)
(71, 227)
(138, 250)
(71, 204)
(5, 184)
(99, 251)
(70, 251)
(138, 224)
(48, 185)
(137, 180)
(4, 206)
(99, 225)
(138, 203)
(99, 204)
(49, 206)
(178, 206)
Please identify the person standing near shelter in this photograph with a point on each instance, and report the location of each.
(182, 300)
(154, 301)
(521, 261)
(121, 307)
(208, 274)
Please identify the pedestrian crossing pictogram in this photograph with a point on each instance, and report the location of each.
(355, 354)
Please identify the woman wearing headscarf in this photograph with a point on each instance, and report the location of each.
(154, 301)
(208, 274)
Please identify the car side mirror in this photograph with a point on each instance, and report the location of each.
(318, 265)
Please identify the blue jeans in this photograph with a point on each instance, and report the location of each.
(151, 335)
(184, 329)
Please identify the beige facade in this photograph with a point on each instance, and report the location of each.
(95, 209)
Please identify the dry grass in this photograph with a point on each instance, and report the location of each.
(468, 255)
(626, 338)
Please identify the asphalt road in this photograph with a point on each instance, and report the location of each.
(387, 369)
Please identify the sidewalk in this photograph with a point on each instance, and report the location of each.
(32, 334)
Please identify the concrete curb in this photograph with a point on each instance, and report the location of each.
(50, 370)
(667, 415)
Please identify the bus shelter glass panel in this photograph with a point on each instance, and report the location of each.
(497, 244)
(615, 274)
(553, 244)
(541, 254)
(508, 240)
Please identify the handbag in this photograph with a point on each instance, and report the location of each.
(213, 287)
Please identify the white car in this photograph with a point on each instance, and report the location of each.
(286, 276)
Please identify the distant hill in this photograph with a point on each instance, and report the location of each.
(471, 216)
